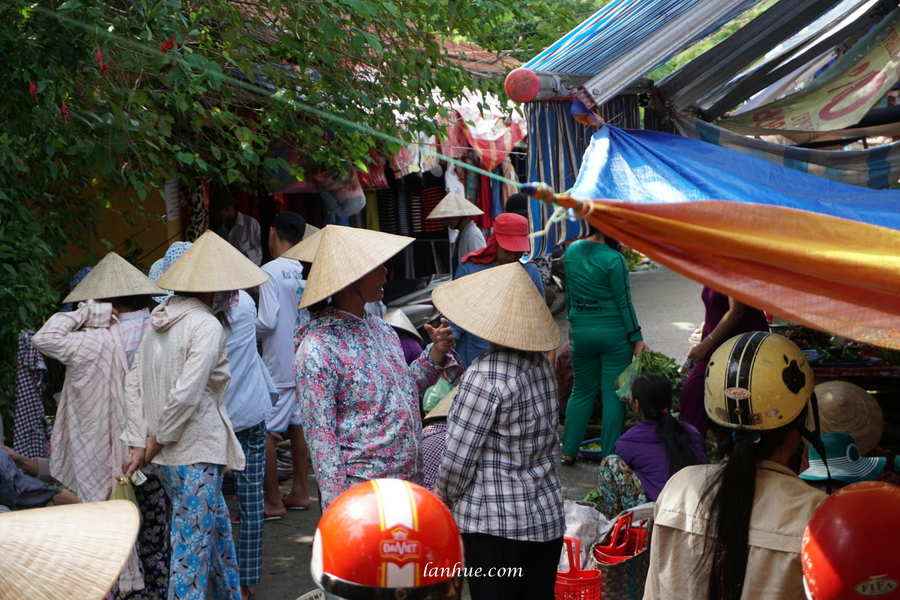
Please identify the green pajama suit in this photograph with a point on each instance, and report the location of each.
(604, 330)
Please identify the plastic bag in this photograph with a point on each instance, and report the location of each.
(435, 394)
(126, 492)
(623, 381)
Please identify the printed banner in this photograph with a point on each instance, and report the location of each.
(841, 96)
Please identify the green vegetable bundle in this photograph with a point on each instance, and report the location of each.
(649, 362)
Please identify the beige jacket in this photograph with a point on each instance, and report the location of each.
(784, 504)
(176, 388)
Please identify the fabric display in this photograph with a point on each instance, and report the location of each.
(507, 171)
(342, 195)
(406, 161)
(414, 191)
(197, 203)
(371, 211)
(491, 136)
(452, 181)
(375, 177)
(428, 158)
(30, 436)
(402, 193)
(430, 198)
(485, 200)
(387, 211)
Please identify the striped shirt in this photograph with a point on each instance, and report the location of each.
(499, 471)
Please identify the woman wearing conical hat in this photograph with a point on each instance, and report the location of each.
(177, 418)
(357, 394)
(93, 344)
(499, 473)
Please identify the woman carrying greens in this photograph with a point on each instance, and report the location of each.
(605, 336)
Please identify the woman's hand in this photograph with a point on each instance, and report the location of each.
(442, 339)
(151, 449)
(640, 347)
(133, 462)
(699, 351)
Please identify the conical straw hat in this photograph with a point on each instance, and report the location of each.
(848, 408)
(211, 265)
(344, 255)
(113, 277)
(305, 249)
(501, 305)
(74, 551)
(397, 318)
(442, 408)
(454, 205)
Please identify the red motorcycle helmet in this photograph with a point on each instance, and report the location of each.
(851, 546)
(388, 539)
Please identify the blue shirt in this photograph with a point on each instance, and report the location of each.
(468, 346)
(247, 398)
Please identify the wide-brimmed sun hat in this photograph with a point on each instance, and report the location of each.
(305, 249)
(502, 305)
(397, 318)
(454, 205)
(344, 255)
(75, 551)
(511, 232)
(845, 461)
(847, 408)
(113, 277)
(211, 265)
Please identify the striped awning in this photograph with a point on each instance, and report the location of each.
(628, 38)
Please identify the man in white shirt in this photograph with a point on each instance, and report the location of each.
(276, 322)
(241, 231)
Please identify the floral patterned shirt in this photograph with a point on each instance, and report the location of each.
(359, 400)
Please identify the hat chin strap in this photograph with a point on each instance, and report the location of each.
(815, 439)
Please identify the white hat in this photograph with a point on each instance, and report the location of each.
(211, 265)
(113, 277)
(344, 255)
(397, 318)
(502, 305)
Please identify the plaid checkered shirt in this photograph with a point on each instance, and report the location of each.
(499, 472)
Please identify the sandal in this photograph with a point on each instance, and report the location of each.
(567, 461)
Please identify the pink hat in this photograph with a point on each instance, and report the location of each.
(511, 232)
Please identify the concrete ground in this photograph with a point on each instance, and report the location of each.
(669, 310)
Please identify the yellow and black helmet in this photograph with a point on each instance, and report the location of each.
(757, 381)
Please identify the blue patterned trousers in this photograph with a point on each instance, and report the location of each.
(248, 485)
(199, 534)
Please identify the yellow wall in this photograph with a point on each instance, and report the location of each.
(153, 234)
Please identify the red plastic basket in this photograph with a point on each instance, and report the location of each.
(576, 583)
(625, 542)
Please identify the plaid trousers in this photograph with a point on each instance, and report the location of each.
(248, 485)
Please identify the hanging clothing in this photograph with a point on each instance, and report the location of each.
(484, 199)
(245, 236)
(372, 223)
(30, 429)
(360, 400)
(508, 172)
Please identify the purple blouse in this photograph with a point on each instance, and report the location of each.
(646, 455)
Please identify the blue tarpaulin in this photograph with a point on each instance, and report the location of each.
(651, 167)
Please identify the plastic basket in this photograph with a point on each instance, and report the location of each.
(576, 583)
(624, 575)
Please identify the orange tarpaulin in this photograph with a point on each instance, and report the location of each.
(824, 272)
